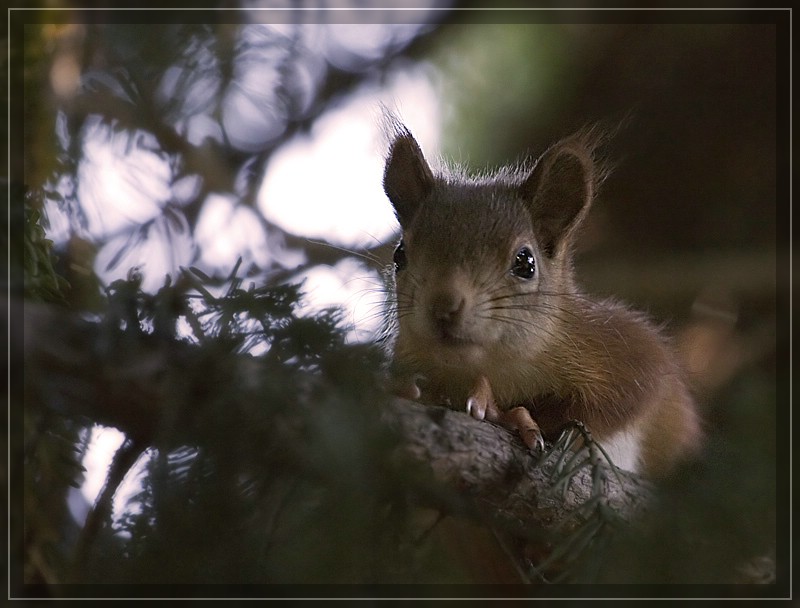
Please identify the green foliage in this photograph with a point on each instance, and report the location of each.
(52, 446)
(41, 281)
(257, 469)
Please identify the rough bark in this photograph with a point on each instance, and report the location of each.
(492, 464)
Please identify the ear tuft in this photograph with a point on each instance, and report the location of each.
(407, 178)
(560, 189)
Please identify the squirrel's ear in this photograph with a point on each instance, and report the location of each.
(559, 191)
(407, 178)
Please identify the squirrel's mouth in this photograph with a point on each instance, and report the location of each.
(454, 340)
(457, 351)
(450, 345)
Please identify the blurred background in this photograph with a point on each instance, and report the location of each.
(257, 135)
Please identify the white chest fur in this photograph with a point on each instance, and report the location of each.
(624, 449)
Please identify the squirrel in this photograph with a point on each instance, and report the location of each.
(486, 314)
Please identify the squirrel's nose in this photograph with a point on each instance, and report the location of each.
(447, 309)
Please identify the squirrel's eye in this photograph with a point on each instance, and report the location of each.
(524, 265)
(400, 261)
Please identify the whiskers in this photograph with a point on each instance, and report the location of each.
(549, 304)
(548, 319)
(556, 317)
(394, 303)
(364, 254)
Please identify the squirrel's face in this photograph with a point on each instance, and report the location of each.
(483, 264)
(471, 279)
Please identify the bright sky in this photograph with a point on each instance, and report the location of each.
(328, 184)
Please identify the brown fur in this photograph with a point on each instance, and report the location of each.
(463, 318)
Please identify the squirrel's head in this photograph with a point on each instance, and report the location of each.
(484, 264)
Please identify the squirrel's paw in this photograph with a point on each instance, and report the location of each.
(519, 419)
(480, 403)
(481, 406)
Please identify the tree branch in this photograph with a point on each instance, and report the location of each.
(491, 463)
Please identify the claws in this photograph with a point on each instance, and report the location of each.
(481, 406)
(480, 403)
(532, 437)
(519, 419)
(476, 409)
